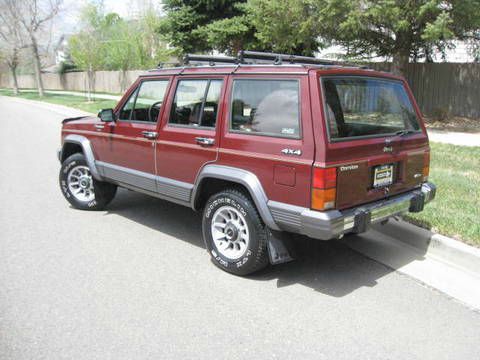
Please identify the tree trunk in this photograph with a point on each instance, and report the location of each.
(13, 70)
(91, 83)
(38, 67)
(123, 80)
(400, 62)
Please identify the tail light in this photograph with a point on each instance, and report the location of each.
(324, 188)
(426, 165)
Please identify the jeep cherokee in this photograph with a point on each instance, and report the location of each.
(263, 144)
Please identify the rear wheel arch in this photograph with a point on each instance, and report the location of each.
(215, 178)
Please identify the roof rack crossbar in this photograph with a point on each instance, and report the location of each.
(212, 60)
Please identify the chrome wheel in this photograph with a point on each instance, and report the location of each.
(230, 232)
(80, 183)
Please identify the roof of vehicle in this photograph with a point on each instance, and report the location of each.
(287, 69)
(255, 62)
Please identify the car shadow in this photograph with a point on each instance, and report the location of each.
(329, 267)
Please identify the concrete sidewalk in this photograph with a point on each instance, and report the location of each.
(78, 93)
(454, 138)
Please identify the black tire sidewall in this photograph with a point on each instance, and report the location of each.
(67, 165)
(254, 257)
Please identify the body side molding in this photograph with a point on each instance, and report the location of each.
(170, 189)
(239, 176)
(87, 151)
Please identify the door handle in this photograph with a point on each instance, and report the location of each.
(99, 126)
(149, 134)
(205, 141)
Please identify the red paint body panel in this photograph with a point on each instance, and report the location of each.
(175, 153)
(178, 155)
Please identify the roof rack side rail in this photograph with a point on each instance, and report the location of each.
(279, 58)
(212, 60)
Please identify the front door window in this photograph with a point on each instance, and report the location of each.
(145, 102)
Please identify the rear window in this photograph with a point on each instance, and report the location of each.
(367, 107)
(266, 107)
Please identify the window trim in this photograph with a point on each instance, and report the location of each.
(135, 93)
(265, 134)
(205, 94)
(361, 137)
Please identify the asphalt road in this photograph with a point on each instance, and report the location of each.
(135, 282)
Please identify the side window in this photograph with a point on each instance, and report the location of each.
(196, 103)
(126, 110)
(266, 107)
(145, 102)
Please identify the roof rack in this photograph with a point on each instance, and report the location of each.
(212, 60)
(258, 57)
(280, 58)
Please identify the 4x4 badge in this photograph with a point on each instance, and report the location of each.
(296, 152)
(388, 149)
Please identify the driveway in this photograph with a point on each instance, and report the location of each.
(135, 282)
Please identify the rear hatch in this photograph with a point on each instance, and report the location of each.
(376, 138)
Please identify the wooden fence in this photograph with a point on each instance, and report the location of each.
(440, 87)
(445, 87)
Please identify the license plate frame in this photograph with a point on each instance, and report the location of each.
(383, 175)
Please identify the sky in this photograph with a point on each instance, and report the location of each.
(67, 22)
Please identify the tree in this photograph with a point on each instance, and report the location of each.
(151, 48)
(133, 44)
(108, 42)
(232, 34)
(11, 43)
(285, 26)
(87, 47)
(399, 29)
(32, 16)
(188, 25)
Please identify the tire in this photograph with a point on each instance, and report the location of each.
(92, 194)
(243, 249)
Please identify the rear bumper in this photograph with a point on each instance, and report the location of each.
(330, 224)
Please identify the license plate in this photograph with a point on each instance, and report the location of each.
(383, 175)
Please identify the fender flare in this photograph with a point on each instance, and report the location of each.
(87, 152)
(239, 176)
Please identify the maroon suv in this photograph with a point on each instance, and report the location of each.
(262, 144)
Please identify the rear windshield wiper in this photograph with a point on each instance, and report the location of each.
(405, 132)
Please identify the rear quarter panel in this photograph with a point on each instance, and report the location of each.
(285, 178)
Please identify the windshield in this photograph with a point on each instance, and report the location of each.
(359, 107)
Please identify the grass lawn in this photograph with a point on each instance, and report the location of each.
(455, 211)
(78, 102)
(454, 169)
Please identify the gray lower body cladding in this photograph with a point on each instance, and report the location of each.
(327, 225)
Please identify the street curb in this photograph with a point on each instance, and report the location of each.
(440, 247)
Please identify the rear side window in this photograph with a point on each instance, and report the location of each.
(196, 103)
(266, 107)
(362, 107)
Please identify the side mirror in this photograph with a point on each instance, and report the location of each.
(107, 115)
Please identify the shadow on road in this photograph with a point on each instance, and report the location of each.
(329, 267)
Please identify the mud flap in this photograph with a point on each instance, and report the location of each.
(278, 245)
